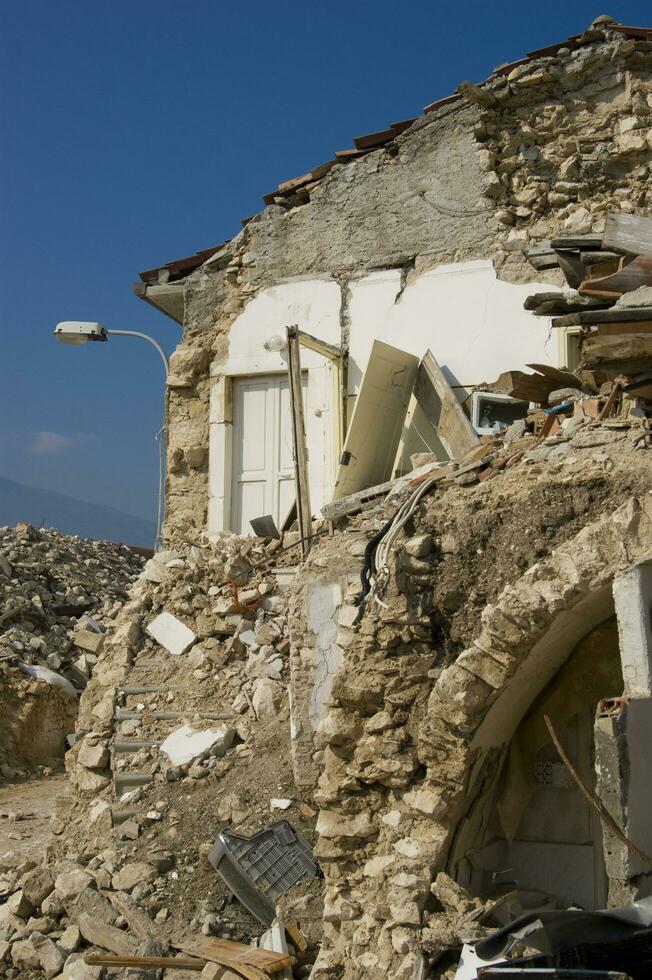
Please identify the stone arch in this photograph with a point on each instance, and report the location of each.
(525, 638)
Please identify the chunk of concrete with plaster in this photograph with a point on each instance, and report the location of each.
(171, 633)
(185, 744)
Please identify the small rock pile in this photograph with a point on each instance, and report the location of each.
(57, 596)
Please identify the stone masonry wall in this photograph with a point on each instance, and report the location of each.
(543, 150)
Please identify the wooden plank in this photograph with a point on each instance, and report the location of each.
(630, 276)
(572, 266)
(295, 935)
(629, 233)
(300, 449)
(623, 352)
(355, 501)
(146, 962)
(439, 402)
(577, 241)
(615, 315)
(238, 956)
(566, 379)
(528, 387)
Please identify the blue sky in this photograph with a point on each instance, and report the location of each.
(134, 133)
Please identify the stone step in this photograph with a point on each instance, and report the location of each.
(126, 745)
(120, 816)
(130, 780)
(144, 689)
(123, 714)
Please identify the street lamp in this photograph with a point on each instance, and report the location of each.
(76, 332)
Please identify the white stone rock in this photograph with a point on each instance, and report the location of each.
(185, 743)
(280, 804)
(392, 819)
(70, 884)
(171, 633)
(579, 222)
(266, 697)
(75, 969)
(377, 866)
(132, 875)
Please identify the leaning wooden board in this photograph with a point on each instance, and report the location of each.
(249, 961)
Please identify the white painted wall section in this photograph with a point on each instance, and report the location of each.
(473, 323)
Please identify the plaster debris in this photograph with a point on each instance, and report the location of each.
(171, 633)
(185, 744)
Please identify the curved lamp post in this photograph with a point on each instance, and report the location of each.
(76, 332)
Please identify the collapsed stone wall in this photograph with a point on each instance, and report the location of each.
(477, 580)
(543, 150)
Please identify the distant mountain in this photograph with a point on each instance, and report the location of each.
(19, 502)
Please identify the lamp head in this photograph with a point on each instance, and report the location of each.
(275, 343)
(78, 332)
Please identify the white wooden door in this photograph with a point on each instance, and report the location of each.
(262, 469)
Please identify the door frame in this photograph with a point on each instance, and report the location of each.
(320, 435)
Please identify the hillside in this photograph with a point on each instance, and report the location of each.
(45, 508)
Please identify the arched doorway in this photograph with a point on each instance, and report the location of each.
(528, 829)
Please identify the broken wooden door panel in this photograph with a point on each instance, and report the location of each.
(440, 404)
(377, 421)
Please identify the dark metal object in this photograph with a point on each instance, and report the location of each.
(258, 869)
(265, 527)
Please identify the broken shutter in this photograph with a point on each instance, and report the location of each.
(377, 420)
(440, 404)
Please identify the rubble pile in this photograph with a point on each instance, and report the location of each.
(393, 735)
(58, 594)
(178, 738)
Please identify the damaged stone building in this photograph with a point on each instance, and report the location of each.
(447, 689)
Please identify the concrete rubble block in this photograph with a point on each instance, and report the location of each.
(332, 825)
(185, 743)
(93, 754)
(171, 633)
(88, 640)
(70, 939)
(431, 802)
(51, 958)
(377, 867)
(99, 933)
(37, 886)
(419, 546)
(18, 904)
(76, 969)
(70, 884)
(89, 781)
(25, 956)
(155, 572)
(133, 874)
(266, 698)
